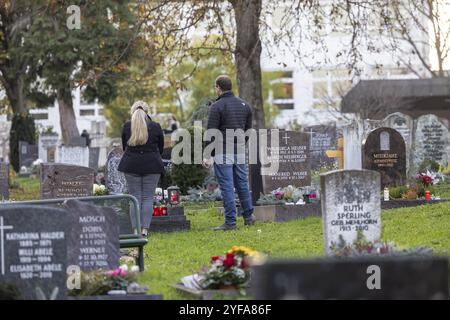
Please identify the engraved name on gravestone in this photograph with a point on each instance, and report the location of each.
(384, 151)
(323, 138)
(28, 153)
(94, 154)
(431, 141)
(73, 155)
(292, 155)
(350, 203)
(33, 250)
(47, 147)
(114, 179)
(66, 181)
(93, 241)
(4, 181)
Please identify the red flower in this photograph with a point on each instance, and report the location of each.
(215, 258)
(229, 260)
(426, 180)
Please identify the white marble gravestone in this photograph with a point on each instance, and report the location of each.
(431, 141)
(78, 156)
(47, 147)
(350, 202)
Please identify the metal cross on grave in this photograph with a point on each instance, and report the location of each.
(2, 244)
(286, 137)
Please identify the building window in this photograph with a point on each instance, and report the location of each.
(100, 112)
(87, 112)
(284, 106)
(320, 89)
(340, 88)
(283, 90)
(40, 116)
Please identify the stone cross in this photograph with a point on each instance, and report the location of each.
(286, 137)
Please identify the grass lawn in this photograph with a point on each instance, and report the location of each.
(172, 256)
(169, 257)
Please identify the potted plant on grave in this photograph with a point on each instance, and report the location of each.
(120, 281)
(230, 272)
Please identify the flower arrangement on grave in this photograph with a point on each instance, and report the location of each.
(200, 195)
(231, 270)
(289, 195)
(362, 247)
(100, 190)
(101, 282)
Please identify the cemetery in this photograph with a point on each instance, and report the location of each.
(112, 119)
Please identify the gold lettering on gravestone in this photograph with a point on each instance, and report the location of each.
(385, 159)
(70, 189)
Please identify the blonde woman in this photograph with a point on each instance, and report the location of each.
(143, 143)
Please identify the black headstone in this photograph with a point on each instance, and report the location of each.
(78, 142)
(4, 181)
(66, 181)
(384, 151)
(94, 236)
(33, 250)
(28, 153)
(323, 138)
(292, 155)
(400, 278)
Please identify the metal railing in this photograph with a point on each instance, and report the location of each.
(135, 212)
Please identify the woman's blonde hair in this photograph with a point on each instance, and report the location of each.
(139, 131)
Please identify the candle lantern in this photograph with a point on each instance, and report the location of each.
(163, 211)
(174, 195)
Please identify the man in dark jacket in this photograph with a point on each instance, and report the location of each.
(231, 112)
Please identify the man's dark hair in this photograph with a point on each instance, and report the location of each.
(224, 83)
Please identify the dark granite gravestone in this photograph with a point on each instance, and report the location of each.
(4, 181)
(350, 203)
(78, 142)
(93, 240)
(114, 179)
(293, 158)
(401, 278)
(384, 151)
(28, 153)
(94, 154)
(174, 221)
(66, 181)
(33, 250)
(323, 138)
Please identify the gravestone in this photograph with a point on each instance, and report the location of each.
(401, 278)
(431, 141)
(78, 142)
(28, 153)
(66, 181)
(403, 124)
(47, 147)
(384, 151)
(94, 154)
(33, 249)
(4, 181)
(114, 179)
(293, 158)
(323, 138)
(78, 156)
(350, 203)
(93, 241)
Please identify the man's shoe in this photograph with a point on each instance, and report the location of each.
(225, 227)
(250, 220)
